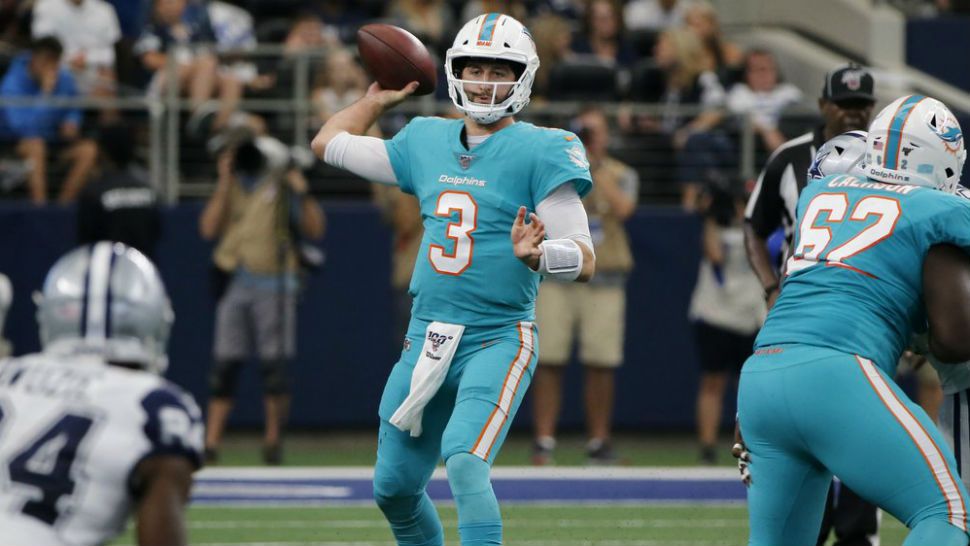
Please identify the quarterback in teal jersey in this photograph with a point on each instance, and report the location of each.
(500, 203)
(817, 397)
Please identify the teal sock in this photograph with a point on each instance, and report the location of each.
(479, 519)
(935, 532)
(414, 520)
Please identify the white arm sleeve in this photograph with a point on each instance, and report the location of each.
(362, 155)
(565, 217)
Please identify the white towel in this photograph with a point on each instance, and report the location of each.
(440, 342)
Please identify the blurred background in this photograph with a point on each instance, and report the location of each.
(177, 81)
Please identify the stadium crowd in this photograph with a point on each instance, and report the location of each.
(670, 53)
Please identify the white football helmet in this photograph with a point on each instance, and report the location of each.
(840, 155)
(492, 36)
(106, 299)
(916, 140)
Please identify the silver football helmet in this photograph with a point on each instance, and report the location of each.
(106, 299)
(843, 154)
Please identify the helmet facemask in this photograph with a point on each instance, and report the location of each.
(519, 90)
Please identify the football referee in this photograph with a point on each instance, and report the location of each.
(846, 105)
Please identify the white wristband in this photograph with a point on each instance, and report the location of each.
(561, 259)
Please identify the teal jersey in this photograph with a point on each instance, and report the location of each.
(466, 272)
(855, 280)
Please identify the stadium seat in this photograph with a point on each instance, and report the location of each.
(646, 82)
(642, 42)
(583, 79)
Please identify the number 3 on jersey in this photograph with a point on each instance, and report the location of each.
(460, 232)
(813, 240)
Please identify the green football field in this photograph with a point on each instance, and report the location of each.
(525, 525)
(358, 522)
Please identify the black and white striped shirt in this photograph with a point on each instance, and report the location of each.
(773, 201)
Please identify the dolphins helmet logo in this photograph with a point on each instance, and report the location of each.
(948, 130)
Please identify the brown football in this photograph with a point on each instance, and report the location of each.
(395, 57)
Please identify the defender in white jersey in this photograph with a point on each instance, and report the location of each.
(89, 431)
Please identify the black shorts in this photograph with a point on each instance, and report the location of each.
(721, 350)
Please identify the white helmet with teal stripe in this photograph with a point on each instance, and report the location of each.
(916, 140)
(492, 36)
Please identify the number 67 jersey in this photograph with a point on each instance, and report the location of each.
(854, 280)
(72, 431)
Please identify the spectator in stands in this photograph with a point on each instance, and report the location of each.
(655, 15)
(762, 97)
(174, 25)
(14, 24)
(602, 34)
(88, 31)
(234, 32)
(42, 131)
(132, 15)
(340, 81)
(552, 35)
(429, 20)
(723, 57)
(693, 100)
(261, 205)
(687, 82)
(727, 308)
(594, 312)
(308, 33)
(119, 205)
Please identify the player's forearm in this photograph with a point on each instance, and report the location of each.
(713, 250)
(758, 257)
(313, 223)
(356, 119)
(214, 213)
(621, 206)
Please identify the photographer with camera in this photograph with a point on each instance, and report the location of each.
(727, 307)
(260, 210)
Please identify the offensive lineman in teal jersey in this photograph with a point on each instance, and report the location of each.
(471, 346)
(817, 398)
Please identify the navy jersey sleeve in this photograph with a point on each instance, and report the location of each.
(764, 209)
(398, 150)
(173, 424)
(560, 158)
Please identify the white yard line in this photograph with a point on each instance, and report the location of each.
(503, 472)
(518, 543)
(507, 523)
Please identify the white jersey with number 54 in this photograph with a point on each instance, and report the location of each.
(72, 431)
